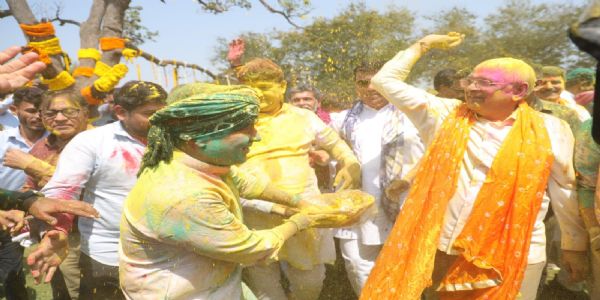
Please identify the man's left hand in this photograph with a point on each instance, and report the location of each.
(576, 263)
(348, 177)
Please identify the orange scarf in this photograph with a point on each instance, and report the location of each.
(494, 243)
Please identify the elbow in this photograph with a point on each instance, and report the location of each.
(377, 81)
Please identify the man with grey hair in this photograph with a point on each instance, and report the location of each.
(308, 97)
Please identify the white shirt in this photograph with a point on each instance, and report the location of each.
(428, 112)
(11, 179)
(566, 95)
(367, 146)
(103, 162)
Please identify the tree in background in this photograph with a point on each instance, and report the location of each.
(325, 52)
(112, 30)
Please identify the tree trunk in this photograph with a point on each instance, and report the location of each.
(22, 13)
(113, 27)
(89, 33)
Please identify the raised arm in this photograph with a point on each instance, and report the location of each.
(424, 110)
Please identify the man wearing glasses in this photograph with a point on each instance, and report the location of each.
(472, 224)
(64, 114)
(99, 166)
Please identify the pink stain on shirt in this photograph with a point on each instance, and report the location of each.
(132, 162)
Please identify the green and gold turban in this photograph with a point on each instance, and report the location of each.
(199, 112)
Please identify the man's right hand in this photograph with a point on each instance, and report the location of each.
(237, 48)
(10, 219)
(17, 159)
(50, 253)
(441, 41)
(42, 208)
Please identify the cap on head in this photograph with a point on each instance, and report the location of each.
(580, 74)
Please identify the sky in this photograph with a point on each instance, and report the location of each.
(189, 34)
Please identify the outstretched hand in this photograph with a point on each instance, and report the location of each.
(18, 72)
(42, 208)
(237, 48)
(442, 41)
(48, 256)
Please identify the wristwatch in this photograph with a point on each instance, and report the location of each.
(27, 198)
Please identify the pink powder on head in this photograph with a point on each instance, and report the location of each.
(495, 75)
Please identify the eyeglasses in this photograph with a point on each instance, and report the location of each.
(478, 82)
(67, 112)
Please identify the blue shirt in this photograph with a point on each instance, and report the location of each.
(11, 179)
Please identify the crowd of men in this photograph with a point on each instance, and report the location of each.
(483, 186)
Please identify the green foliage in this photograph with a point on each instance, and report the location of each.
(292, 8)
(133, 28)
(326, 52)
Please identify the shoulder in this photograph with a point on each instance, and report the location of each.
(94, 135)
(555, 125)
(305, 116)
(5, 135)
(339, 116)
(305, 113)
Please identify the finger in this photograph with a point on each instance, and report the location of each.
(80, 208)
(34, 262)
(27, 73)
(9, 53)
(51, 272)
(46, 218)
(18, 64)
(346, 185)
(44, 271)
(6, 223)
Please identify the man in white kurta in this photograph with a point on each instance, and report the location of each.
(372, 127)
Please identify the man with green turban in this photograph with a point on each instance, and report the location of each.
(182, 230)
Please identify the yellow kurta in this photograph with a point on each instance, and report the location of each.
(281, 157)
(182, 234)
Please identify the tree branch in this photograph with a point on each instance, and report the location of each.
(214, 7)
(271, 9)
(153, 59)
(5, 13)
